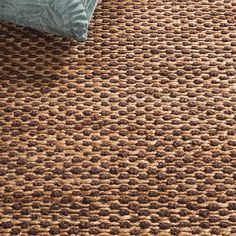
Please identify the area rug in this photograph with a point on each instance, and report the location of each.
(131, 133)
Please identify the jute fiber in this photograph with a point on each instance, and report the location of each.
(132, 132)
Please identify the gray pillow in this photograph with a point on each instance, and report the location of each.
(68, 18)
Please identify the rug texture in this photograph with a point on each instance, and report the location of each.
(131, 133)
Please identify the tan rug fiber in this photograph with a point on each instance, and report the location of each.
(132, 132)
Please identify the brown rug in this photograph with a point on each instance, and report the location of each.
(130, 133)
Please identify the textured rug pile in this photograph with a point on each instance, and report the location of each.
(131, 133)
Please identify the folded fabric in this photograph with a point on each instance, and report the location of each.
(68, 18)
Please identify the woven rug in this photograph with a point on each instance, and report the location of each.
(131, 133)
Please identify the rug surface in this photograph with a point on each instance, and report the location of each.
(131, 133)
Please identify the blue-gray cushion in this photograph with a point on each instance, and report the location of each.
(68, 18)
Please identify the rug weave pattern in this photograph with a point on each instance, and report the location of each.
(131, 133)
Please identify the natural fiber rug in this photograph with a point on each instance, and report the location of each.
(130, 133)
